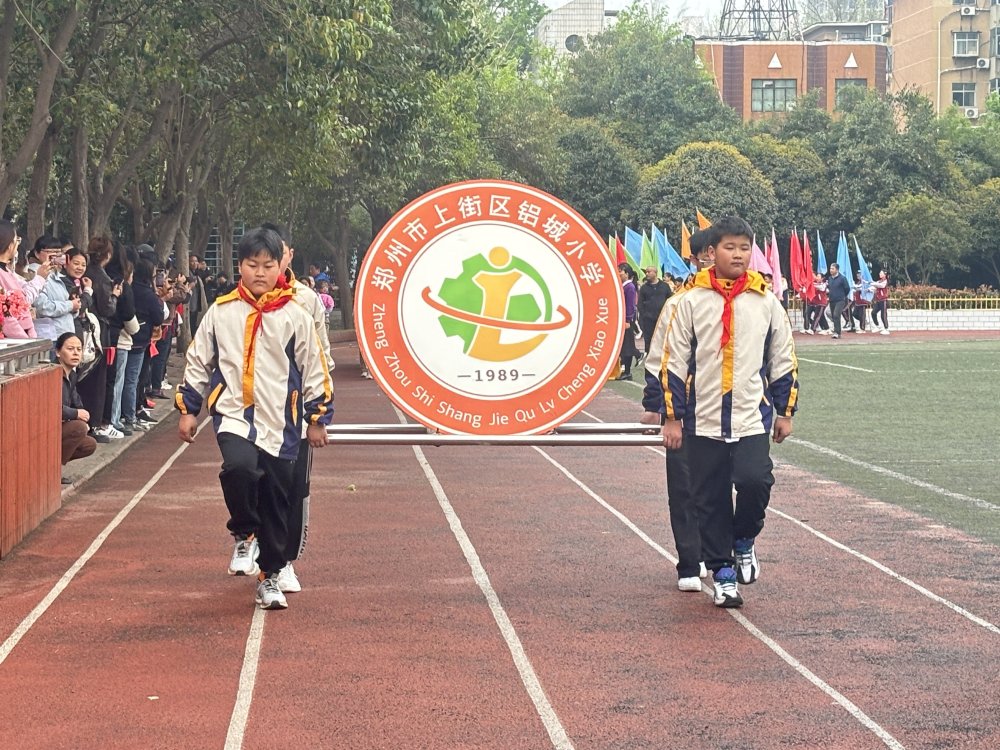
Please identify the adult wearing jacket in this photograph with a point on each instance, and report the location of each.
(76, 443)
(19, 326)
(839, 291)
(55, 309)
(149, 314)
(93, 388)
(123, 324)
(653, 294)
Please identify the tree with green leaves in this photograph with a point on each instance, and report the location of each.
(600, 180)
(642, 82)
(981, 204)
(920, 237)
(713, 177)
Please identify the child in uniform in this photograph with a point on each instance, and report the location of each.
(681, 505)
(730, 378)
(256, 361)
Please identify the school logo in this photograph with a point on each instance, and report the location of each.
(489, 307)
(479, 307)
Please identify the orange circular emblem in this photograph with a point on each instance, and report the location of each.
(489, 308)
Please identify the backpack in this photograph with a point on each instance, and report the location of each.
(90, 330)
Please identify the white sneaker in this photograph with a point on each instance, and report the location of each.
(884, 331)
(811, 332)
(110, 432)
(702, 570)
(691, 583)
(747, 567)
(288, 582)
(165, 386)
(823, 332)
(269, 596)
(244, 562)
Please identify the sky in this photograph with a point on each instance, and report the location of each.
(692, 7)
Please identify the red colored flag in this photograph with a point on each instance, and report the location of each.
(619, 252)
(807, 274)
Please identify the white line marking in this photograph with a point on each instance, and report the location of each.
(890, 572)
(984, 504)
(557, 733)
(794, 663)
(834, 364)
(861, 556)
(248, 678)
(22, 629)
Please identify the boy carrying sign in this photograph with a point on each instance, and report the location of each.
(257, 361)
(731, 378)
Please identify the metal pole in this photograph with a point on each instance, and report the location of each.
(575, 434)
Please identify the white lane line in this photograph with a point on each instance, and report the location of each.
(834, 364)
(890, 572)
(977, 502)
(248, 678)
(794, 663)
(863, 557)
(557, 733)
(26, 624)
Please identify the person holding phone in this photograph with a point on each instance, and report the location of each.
(55, 309)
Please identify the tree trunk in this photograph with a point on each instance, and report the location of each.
(105, 193)
(226, 229)
(201, 226)
(343, 267)
(38, 187)
(11, 171)
(81, 209)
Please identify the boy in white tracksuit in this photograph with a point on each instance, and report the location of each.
(258, 364)
(730, 378)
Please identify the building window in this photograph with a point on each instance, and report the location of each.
(772, 94)
(966, 43)
(995, 41)
(995, 84)
(842, 83)
(574, 43)
(963, 94)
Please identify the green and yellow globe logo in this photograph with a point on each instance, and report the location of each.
(479, 305)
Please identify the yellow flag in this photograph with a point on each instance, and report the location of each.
(703, 223)
(685, 241)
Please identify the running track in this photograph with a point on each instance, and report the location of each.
(489, 598)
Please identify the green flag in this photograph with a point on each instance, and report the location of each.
(648, 258)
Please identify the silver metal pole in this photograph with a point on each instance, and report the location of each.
(597, 434)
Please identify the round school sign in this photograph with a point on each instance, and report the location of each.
(489, 308)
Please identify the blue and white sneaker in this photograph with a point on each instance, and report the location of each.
(747, 567)
(727, 592)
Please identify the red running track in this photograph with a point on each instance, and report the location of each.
(394, 642)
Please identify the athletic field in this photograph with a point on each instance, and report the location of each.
(506, 598)
(910, 421)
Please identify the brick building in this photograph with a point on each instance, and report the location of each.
(759, 78)
(946, 49)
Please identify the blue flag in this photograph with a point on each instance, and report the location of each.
(867, 290)
(633, 245)
(820, 255)
(670, 260)
(844, 259)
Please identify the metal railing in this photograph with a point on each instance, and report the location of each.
(606, 434)
(930, 303)
(946, 303)
(17, 355)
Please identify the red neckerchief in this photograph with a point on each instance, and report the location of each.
(277, 298)
(728, 295)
